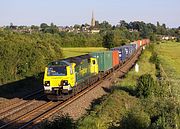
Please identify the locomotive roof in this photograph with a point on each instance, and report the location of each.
(66, 61)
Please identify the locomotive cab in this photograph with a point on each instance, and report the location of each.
(59, 77)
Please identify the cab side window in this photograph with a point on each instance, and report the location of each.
(94, 62)
(71, 70)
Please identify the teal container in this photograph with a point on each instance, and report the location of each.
(104, 60)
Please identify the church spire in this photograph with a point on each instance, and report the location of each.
(92, 20)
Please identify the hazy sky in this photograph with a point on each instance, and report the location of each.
(70, 12)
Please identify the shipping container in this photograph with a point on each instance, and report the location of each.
(143, 42)
(115, 58)
(147, 41)
(129, 49)
(104, 60)
(135, 45)
(122, 53)
(139, 43)
(133, 48)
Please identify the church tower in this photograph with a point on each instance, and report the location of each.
(92, 20)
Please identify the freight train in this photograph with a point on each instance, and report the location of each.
(66, 77)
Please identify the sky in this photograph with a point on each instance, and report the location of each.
(70, 12)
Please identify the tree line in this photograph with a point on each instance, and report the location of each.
(26, 54)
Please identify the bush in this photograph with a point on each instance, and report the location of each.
(135, 120)
(154, 58)
(178, 39)
(145, 86)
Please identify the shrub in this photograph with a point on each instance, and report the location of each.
(178, 39)
(154, 58)
(135, 120)
(145, 85)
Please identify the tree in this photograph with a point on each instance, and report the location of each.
(108, 40)
(145, 86)
(43, 25)
(105, 25)
(49, 29)
(178, 39)
(124, 24)
(152, 27)
(96, 24)
(161, 29)
(164, 26)
(76, 26)
(33, 27)
(53, 29)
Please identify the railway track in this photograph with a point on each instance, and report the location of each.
(17, 108)
(46, 110)
(6, 105)
(18, 121)
(13, 107)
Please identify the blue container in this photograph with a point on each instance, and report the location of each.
(130, 49)
(122, 53)
(125, 51)
(134, 44)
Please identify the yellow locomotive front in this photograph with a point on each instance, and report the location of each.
(59, 77)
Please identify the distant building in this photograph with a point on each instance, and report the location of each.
(94, 29)
(85, 28)
(92, 20)
(168, 37)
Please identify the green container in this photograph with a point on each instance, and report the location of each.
(104, 60)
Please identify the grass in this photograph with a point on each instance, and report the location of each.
(70, 52)
(144, 67)
(169, 54)
(110, 111)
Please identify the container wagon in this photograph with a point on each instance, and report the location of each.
(104, 59)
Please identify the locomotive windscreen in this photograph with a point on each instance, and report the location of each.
(57, 71)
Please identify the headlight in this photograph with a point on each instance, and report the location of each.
(47, 83)
(64, 82)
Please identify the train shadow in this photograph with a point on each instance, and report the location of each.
(16, 125)
(22, 88)
(2, 123)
